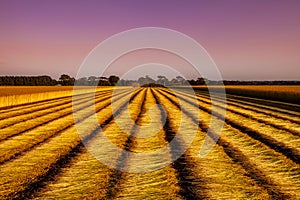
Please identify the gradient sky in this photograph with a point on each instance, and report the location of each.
(248, 40)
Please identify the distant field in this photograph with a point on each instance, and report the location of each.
(18, 90)
(14, 95)
(42, 156)
(284, 93)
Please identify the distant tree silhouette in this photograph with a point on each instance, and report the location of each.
(82, 81)
(199, 81)
(93, 81)
(113, 80)
(180, 80)
(27, 81)
(146, 80)
(153, 85)
(103, 81)
(66, 80)
(123, 82)
(162, 80)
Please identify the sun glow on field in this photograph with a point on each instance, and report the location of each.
(43, 157)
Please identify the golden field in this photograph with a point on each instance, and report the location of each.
(14, 95)
(285, 93)
(43, 157)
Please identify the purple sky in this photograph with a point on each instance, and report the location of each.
(248, 40)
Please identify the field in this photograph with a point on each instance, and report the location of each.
(12, 95)
(42, 156)
(285, 93)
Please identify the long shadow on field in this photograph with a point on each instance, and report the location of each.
(237, 156)
(188, 183)
(64, 161)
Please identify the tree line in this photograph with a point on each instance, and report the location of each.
(66, 80)
(27, 81)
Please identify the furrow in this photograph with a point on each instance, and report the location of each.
(86, 169)
(116, 179)
(17, 146)
(146, 166)
(278, 175)
(274, 106)
(278, 140)
(244, 106)
(219, 175)
(21, 114)
(188, 182)
(30, 125)
(29, 107)
(22, 178)
(291, 108)
(261, 118)
(26, 106)
(12, 120)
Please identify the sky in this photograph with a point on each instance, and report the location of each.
(248, 40)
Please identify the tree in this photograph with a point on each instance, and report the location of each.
(113, 80)
(27, 80)
(200, 81)
(82, 81)
(103, 81)
(66, 80)
(93, 80)
(180, 80)
(162, 80)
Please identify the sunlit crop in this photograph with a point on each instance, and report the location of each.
(274, 92)
(42, 156)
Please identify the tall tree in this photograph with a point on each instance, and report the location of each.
(113, 80)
